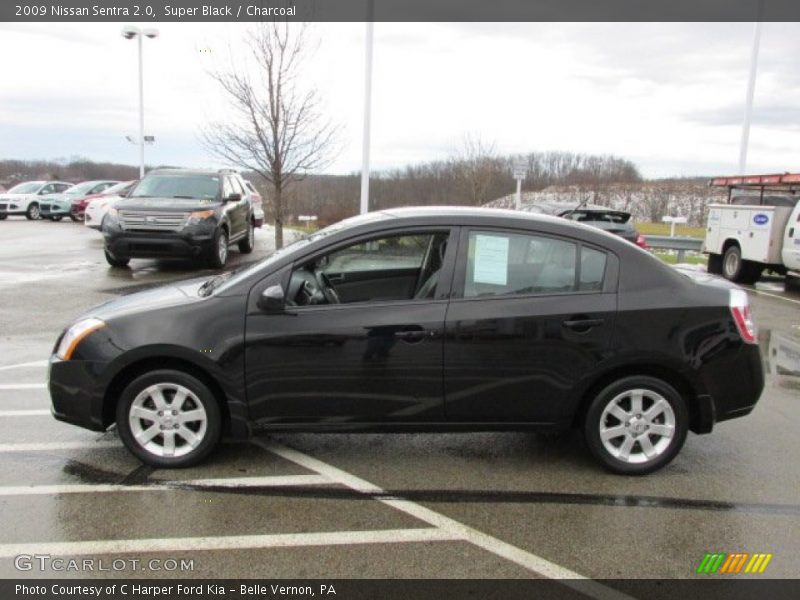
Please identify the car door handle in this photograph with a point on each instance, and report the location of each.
(582, 325)
(413, 335)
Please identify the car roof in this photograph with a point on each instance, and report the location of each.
(179, 171)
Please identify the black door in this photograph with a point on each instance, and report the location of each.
(368, 358)
(532, 315)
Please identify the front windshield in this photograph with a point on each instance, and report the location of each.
(116, 189)
(26, 188)
(80, 189)
(200, 187)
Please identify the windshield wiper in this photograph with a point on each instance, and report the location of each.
(187, 197)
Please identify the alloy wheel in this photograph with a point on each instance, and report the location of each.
(637, 426)
(167, 420)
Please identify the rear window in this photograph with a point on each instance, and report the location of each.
(596, 216)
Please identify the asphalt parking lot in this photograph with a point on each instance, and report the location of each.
(488, 505)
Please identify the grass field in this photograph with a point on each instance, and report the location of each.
(663, 229)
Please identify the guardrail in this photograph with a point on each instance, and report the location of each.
(682, 244)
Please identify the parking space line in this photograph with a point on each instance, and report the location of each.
(761, 293)
(58, 446)
(232, 542)
(25, 413)
(456, 529)
(171, 485)
(36, 363)
(23, 386)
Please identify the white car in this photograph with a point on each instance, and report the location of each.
(97, 208)
(23, 198)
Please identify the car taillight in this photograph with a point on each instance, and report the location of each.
(740, 311)
(641, 241)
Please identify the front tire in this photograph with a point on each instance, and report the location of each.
(247, 244)
(169, 419)
(219, 250)
(636, 425)
(116, 262)
(33, 213)
(74, 218)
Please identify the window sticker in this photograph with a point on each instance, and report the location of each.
(491, 259)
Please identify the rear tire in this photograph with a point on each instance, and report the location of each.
(169, 419)
(33, 213)
(3, 217)
(116, 262)
(735, 269)
(247, 244)
(636, 425)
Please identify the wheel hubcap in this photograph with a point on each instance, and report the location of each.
(637, 426)
(252, 235)
(35, 212)
(731, 264)
(167, 419)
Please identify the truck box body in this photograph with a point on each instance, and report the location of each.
(759, 231)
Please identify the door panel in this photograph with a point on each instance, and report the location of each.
(518, 359)
(347, 364)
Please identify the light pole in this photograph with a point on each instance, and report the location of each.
(129, 32)
(364, 208)
(751, 86)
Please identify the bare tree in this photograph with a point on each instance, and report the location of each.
(276, 127)
(477, 166)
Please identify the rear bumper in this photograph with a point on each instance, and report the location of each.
(158, 245)
(75, 392)
(734, 387)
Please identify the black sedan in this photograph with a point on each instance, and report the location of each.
(424, 319)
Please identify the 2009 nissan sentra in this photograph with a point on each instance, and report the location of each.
(425, 319)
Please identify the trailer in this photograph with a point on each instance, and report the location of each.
(757, 229)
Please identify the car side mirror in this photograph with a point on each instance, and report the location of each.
(272, 299)
(234, 197)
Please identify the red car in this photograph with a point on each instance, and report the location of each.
(78, 208)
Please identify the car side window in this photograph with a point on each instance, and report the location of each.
(227, 187)
(593, 269)
(393, 267)
(60, 187)
(502, 264)
(48, 189)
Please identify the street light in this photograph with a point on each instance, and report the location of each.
(129, 32)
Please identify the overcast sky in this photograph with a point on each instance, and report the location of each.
(669, 97)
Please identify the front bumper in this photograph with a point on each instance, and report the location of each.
(129, 244)
(53, 210)
(76, 393)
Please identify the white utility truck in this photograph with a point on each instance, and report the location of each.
(757, 229)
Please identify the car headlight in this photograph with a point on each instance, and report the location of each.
(199, 216)
(75, 334)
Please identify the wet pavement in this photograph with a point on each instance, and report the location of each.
(492, 505)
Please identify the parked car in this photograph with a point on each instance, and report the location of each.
(98, 205)
(24, 198)
(181, 213)
(256, 201)
(59, 205)
(425, 319)
(618, 222)
(79, 204)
